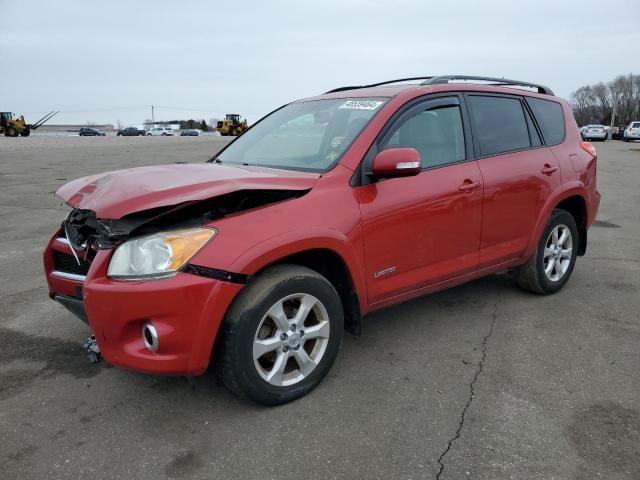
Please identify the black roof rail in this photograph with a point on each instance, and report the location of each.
(355, 87)
(442, 79)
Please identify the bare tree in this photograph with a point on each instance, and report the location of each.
(595, 103)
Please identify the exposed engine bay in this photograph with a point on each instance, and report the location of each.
(86, 232)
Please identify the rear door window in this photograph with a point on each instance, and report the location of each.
(550, 119)
(499, 124)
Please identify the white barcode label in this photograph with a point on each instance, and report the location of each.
(361, 104)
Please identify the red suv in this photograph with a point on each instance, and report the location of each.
(325, 210)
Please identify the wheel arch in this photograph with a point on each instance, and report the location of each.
(576, 205)
(331, 257)
(573, 201)
(333, 267)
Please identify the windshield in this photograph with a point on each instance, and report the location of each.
(309, 136)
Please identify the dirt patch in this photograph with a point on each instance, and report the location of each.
(183, 465)
(45, 356)
(625, 287)
(605, 224)
(606, 436)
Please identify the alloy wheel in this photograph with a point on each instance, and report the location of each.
(291, 339)
(558, 252)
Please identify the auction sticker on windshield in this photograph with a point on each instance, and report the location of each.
(361, 104)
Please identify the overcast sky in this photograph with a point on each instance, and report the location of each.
(105, 61)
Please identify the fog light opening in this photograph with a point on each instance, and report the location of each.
(150, 337)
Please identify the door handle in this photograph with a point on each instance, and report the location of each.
(469, 186)
(548, 169)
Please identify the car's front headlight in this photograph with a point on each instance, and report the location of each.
(158, 255)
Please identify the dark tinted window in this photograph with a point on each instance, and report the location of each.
(499, 124)
(437, 135)
(550, 118)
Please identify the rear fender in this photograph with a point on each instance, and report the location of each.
(554, 199)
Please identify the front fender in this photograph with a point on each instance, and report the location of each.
(275, 248)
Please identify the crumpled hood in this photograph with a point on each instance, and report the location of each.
(115, 194)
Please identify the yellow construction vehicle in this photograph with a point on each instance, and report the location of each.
(12, 127)
(232, 125)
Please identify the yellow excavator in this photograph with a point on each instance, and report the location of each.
(12, 127)
(232, 125)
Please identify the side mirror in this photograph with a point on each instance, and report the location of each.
(396, 162)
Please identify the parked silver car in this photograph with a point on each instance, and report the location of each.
(632, 132)
(595, 132)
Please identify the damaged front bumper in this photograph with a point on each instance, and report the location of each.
(185, 310)
(73, 304)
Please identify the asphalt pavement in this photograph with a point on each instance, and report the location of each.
(482, 381)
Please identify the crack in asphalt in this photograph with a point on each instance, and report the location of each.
(440, 460)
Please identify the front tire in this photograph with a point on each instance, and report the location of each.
(280, 336)
(550, 267)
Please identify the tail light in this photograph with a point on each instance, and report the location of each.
(589, 148)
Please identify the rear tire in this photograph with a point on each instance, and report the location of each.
(12, 132)
(267, 353)
(551, 265)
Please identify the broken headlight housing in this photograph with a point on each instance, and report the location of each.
(159, 255)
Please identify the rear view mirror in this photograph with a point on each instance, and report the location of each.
(396, 162)
(322, 116)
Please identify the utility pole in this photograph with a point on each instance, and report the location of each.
(613, 116)
(153, 119)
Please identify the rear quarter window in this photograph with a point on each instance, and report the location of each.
(550, 119)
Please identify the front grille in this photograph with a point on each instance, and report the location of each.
(67, 264)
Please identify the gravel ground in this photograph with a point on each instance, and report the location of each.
(479, 381)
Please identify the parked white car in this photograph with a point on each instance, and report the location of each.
(582, 130)
(632, 132)
(159, 131)
(595, 132)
